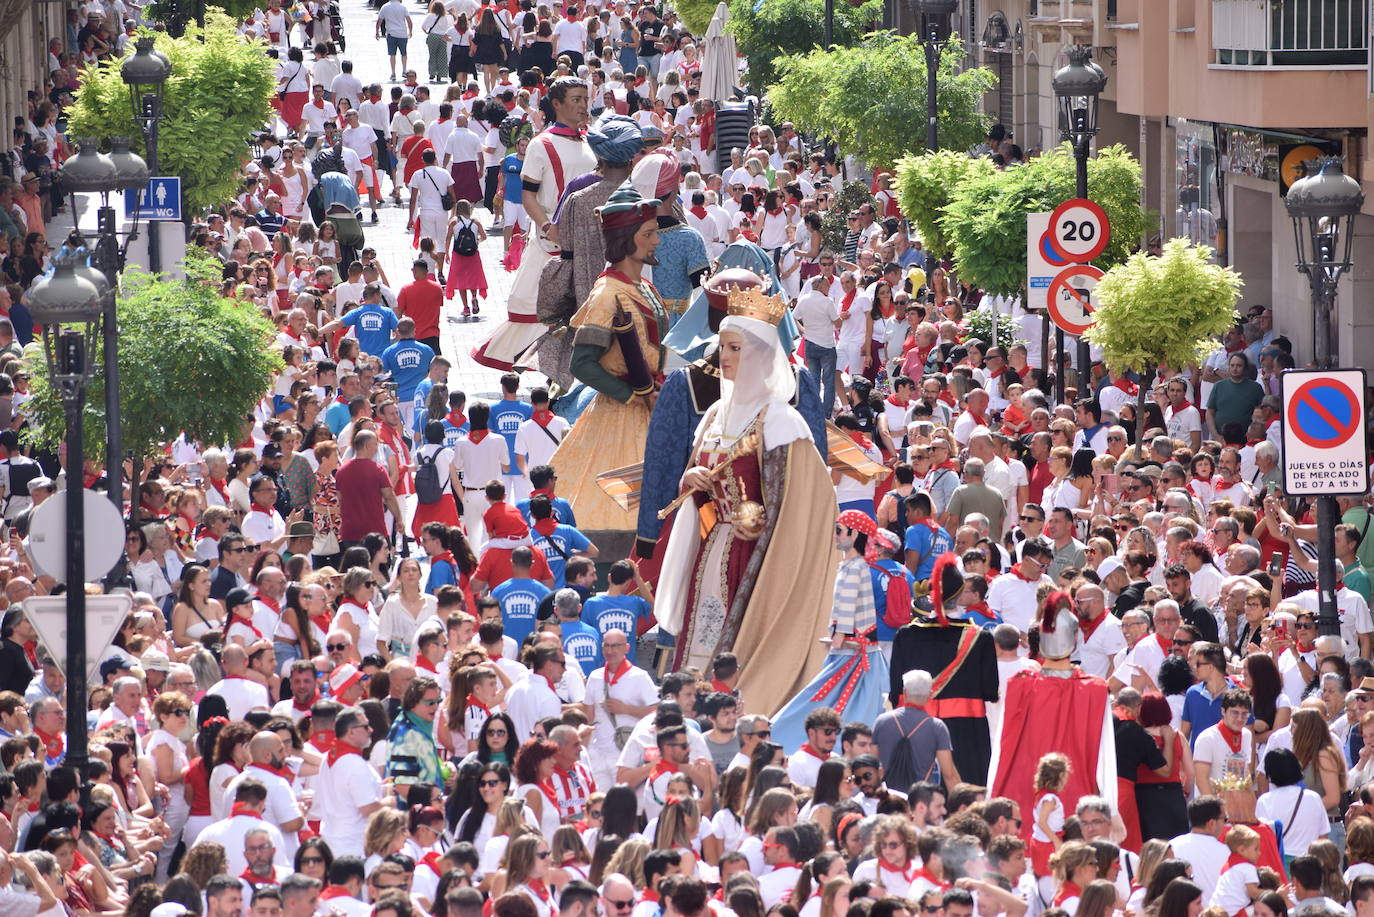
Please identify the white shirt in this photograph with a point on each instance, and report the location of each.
(1354, 615)
(242, 696)
(776, 886)
(538, 443)
(569, 36)
(529, 702)
(395, 19)
(1014, 599)
(633, 687)
(429, 185)
(315, 116)
(261, 526)
(481, 462)
(1211, 749)
(340, 790)
(1095, 653)
(1207, 854)
(816, 313)
(803, 768)
(1301, 827)
(281, 806)
(1182, 423)
(230, 833)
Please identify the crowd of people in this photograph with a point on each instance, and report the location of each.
(728, 605)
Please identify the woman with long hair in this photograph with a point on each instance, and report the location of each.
(1152, 853)
(451, 561)
(815, 875)
(497, 742)
(569, 855)
(510, 818)
(445, 509)
(406, 608)
(1359, 848)
(195, 614)
(1323, 765)
(834, 784)
(727, 825)
(605, 848)
(527, 873)
(1181, 898)
(765, 754)
(775, 807)
(385, 834)
(619, 814)
(478, 824)
(1098, 900)
(1075, 866)
(629, 861)
(894, 862)
(532, 769)
(676, 828)
(1273, 709)
(489, 51)
(354, 615)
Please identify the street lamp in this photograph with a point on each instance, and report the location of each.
(1323, 205)
(932, 19)
(93, 172)
(67, 304)
(146, 73)
(1077, 88)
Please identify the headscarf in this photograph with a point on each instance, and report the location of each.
(615, 139)
(764, 375)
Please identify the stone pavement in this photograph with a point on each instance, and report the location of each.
(392, 241)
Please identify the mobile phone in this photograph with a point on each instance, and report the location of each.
(1275, 564)
(925, 428)
(1281, 631)
(1112, 482)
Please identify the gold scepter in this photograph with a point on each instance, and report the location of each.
(747, 443)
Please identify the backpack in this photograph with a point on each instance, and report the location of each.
(897, 612)
(901, 769)
(428, 488)
(465, 242)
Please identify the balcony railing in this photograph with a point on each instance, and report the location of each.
(1290, 33)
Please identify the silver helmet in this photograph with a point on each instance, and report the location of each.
(1058, 627)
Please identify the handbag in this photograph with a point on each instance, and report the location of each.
(445, 197)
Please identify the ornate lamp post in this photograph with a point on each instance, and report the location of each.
(1077, 88)
(932, 20)
(67, 303)
(1323, 205)
(146, 73)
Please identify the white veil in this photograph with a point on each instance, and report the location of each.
(764, 376)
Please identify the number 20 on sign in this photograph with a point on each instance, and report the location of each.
(1079, 230)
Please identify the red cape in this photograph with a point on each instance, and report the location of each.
(1042, 715)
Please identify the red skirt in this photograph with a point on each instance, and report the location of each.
(1041, 851)
(466, 186)
(1130, 814)
(291, 105)
(445, 511)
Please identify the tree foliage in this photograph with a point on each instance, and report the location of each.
(872, 98)
(766, 30)
(925, 185)
(851, 196)
(1168, 309)
(696, 14)
(985, 219)
(189, 361)
(218, 95)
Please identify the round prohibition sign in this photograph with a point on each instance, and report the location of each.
(1324, 413)
(1079, 230)
(1069, 298)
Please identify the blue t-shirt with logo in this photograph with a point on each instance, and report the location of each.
(506, 418)
(519, 600)
(562, 511)
(583, 643)
(616, 612)
(929, 542)
(568, 539)
(453, 434)
(373, 323)
(408, 362)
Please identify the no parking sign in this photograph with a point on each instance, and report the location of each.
(1323, 423)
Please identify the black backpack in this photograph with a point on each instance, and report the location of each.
(901, 768)
(428, 488)
(465, 242)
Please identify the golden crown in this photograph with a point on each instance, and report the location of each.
(754, 303)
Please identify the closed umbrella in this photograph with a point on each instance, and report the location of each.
(720, 62)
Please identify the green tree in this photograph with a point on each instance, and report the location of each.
(985, 219)
(1167, 310)
(189, 361)
(695, 14)
(851, 196)
(872, 98)
(219, 94)
(766, 30)
(925, 185)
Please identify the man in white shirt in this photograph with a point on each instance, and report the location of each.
(570, 38)
(620, 694)
(1181, 417)
(393, 21)
(240, 694)
(1099, 633)
(1012, 595)
(780, 851)
(346, 87)
(822, 729)
(349, 789)
(534, 698)
(1202, 846)
(267, 764)
(538, 438)
(427, 188)
(463, 144)
(315, 113)
(250, 797)
(1357, 625)
(852, 347)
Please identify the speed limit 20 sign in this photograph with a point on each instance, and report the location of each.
(1079, 230)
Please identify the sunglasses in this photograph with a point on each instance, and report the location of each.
(1183, 643)
(489, 783)
(180, 711)
(336, 647)
(310, 861)
(496, 732)
(593, 813)
(1030, 519)
(762, 733)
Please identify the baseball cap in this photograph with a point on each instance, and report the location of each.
(155, 661)
(42, 483)
(238, 596)
(1108, 567)
(343, 677)
(112, 665)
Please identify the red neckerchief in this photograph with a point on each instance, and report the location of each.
(468, 94)
(996, 373)
(907, 872)
(806, 747)
(979, 419)
(980, 608)
(434, 861)
(863, 441)
(613, 677)
(322, 621)
(246, 622)
(543, 491)
(698, 212)
(1127, 386)
(220, 488)
(255, 881)
(847, 301)
(892, 400)
(362, 609)
(242, 808)
(1089, 627)
(949, 463)
(1184, 406)
(545, 527)
(650, 895)
(1308, 648)
(31, 653)
(472, 701)
(1016, 569)
(1233, 739)
(52, 745)
(1235, 859)
(334, 891)
(456, 420)
(1066, 891)
(661, 768)
(476, 436)
(1124, 713)
(924, 873)
(546, 788)
(722, 687)
(308, 705)
(948, 398)
(342, 750)
(323, 742)
(269, 602)
(445, 556)
(493, 656)
(423, 664)
(279, 771)
(562, 130)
